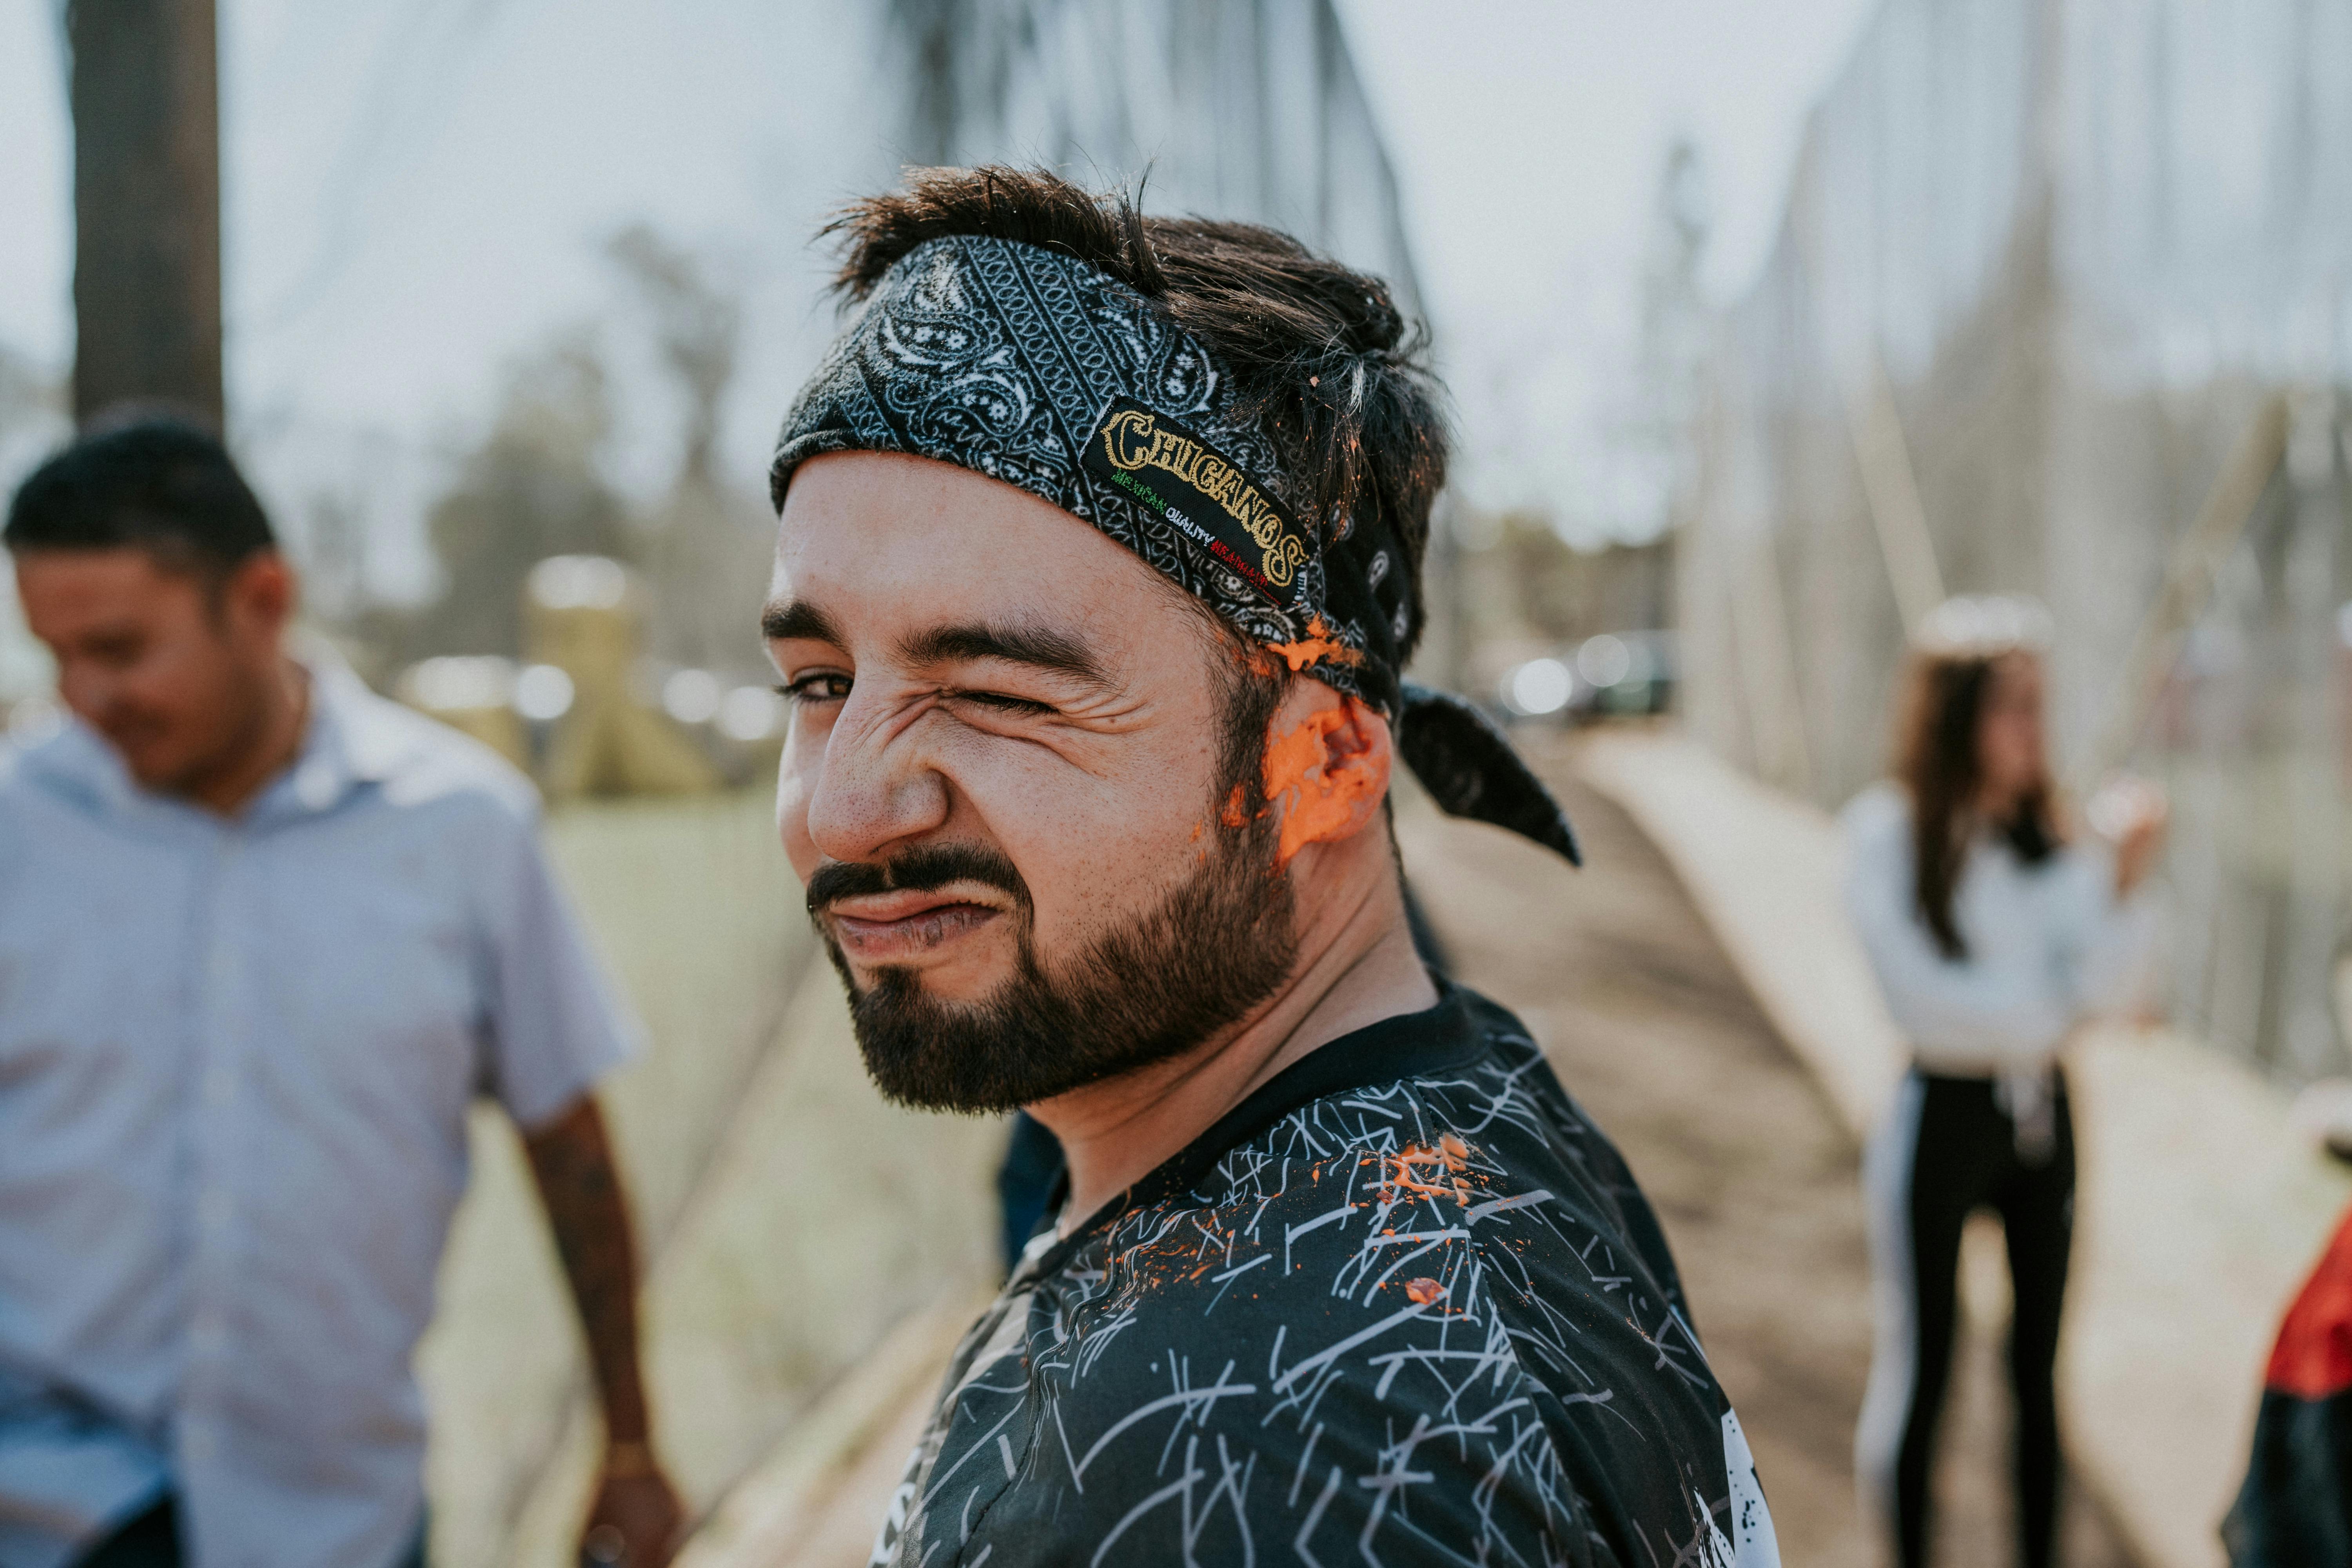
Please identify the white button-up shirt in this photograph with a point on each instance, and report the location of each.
(235, 1062)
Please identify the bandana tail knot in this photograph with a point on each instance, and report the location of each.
(1470, 770)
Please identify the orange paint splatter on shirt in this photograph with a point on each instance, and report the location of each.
(1417, 1171)
(1318, 801)
(1422, 1291)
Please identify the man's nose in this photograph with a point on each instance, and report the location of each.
(875, 787)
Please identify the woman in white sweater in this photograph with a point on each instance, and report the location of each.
(1992, 934)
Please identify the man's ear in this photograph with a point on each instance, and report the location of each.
(1327, 760)
(259, 596)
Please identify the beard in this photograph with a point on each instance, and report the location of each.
(1158, 985)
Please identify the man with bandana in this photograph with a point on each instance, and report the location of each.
(1098, 562)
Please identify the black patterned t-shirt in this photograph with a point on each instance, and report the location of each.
(1404, 1305)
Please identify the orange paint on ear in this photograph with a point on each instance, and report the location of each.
(1318, 647)
(1320, 802)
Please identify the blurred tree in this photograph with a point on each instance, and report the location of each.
(32, 420)
(707, 545)
(1537, 568)
(1531, 586)
(532, 488)
(340, 518)
(334, 578)
(1676, 324)
(147, 271)
(696, 324)
(32, 405)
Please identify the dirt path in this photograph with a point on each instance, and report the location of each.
(1753, 1179)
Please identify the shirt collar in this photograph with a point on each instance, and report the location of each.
(350, 740)
(1439, 1040)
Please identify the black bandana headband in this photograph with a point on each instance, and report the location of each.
(1040, 370)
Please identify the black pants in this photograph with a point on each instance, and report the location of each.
(152, 1541)
(1948, 1150)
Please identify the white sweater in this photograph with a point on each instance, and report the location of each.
(2048, 945)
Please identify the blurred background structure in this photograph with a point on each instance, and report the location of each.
(2059, 305)
(1767, 324)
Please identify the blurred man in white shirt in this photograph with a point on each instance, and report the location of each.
(263, 937)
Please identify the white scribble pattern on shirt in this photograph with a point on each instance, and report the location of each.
(1364, 1335)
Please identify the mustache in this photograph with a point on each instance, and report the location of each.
(919, 869)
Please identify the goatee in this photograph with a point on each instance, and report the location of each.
(1168, 981)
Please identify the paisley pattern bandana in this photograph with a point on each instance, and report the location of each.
(1038, 369)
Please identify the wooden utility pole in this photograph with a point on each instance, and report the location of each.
(147, 272)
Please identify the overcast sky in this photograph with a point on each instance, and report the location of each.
(414, 191)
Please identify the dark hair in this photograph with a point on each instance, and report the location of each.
(1935, 758)
(1320, 352)
(155, 484)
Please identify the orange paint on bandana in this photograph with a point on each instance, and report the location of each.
(1319, 802)
(1316, 646)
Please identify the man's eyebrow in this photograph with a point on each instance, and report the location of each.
(1041, 647)
(797, 620)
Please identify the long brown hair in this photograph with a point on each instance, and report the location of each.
(1935, 759)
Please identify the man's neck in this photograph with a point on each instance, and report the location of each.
(1356, 966)
(270, 740)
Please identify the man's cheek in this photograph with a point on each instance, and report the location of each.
(1132, 811)
(119, 704)
(177, 685)
(1091, 876)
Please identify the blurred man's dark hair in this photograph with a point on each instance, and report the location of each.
(1320, 351)
(154, 483)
